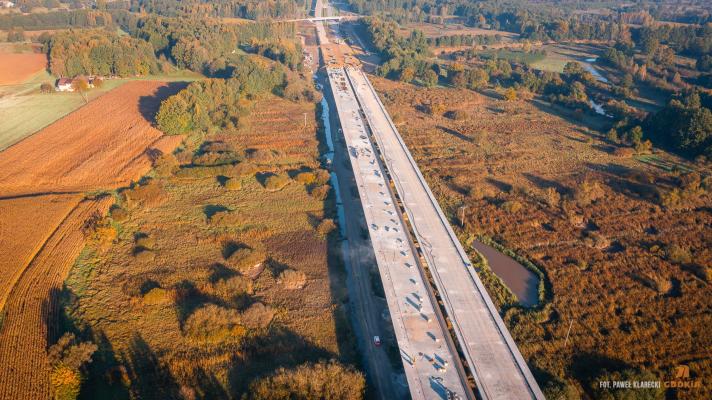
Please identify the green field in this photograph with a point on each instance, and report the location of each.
(24, 110)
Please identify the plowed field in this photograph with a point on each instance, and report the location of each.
(17, 68)
(103, 144)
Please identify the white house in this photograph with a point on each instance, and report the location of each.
(64, 85)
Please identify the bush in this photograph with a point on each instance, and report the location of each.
(67, 358)
(331, 381)
(46, 88)
(118, 213)
(320, 192)
(276, 182)
(257, 316)
(233, 184)
(214, 324)
(512, 206)
(587, 192)
(306, 178)
(292, 279)
(145, 241)
(246, 258)
(326, 226)
(457, 115)
(678, 255)
(147, 195)
(229, 288)
(157, 296)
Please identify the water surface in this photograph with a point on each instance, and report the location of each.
(521, 281)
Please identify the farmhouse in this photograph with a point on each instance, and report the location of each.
(64, 85)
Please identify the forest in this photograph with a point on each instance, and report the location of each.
(98, 52)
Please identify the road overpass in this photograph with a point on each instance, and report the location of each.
(498, 368)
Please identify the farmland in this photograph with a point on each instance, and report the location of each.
(90, 149)
(18, 67)
(629, 273)
(44, 230)
(220, 272)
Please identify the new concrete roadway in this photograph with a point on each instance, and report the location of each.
(499, 370)
(430, 362)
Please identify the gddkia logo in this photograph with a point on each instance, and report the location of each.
(682, 379)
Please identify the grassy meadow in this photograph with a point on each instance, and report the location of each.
(222, 269)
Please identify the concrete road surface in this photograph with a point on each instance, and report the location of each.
(428, 360)
(499, 369)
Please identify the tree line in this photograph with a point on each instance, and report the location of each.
(98, 52)
(250, 9)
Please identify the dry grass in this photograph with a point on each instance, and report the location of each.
(222, 255)
(103, 144)
(520, 169)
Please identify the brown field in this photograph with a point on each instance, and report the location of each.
(30, 322)
(17, 68)
(516, 166)
(25, 225)
(103, 144)
(44, 211)
(175, 258)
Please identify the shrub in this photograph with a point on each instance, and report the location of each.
(66, 358)
(150, 194)
(246, 258)
(257, 316)
(511, 206)
(306, 178)
(678, 255)
(243, 169)
(226, 217)
(46, 88)
(157, 296)
(510, 94)
(118, 214)
(587, 192)
(625, 152)
(214, 324)
(231, 287)
(326, 226)
(145, 241)
(320, 192)
(311, 381)
(143, 255)
(276, 182)
(233, 184)
(292, 279)
(457, 115)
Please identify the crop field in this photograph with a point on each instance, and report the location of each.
(220, 271)
(45, 215)
(25, 225)
(103, 144)
(630, 276)
(30, 315)
(18, 64)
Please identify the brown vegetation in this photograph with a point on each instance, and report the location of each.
(103, 144)
(629, 271)
(219, 304)
(30, 321)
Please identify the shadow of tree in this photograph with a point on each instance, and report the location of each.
(150, 379)
(148, 105)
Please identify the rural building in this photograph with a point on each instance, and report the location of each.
(64, 85)
(6, 4)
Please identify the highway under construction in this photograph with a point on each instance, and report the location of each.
(449, 332)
